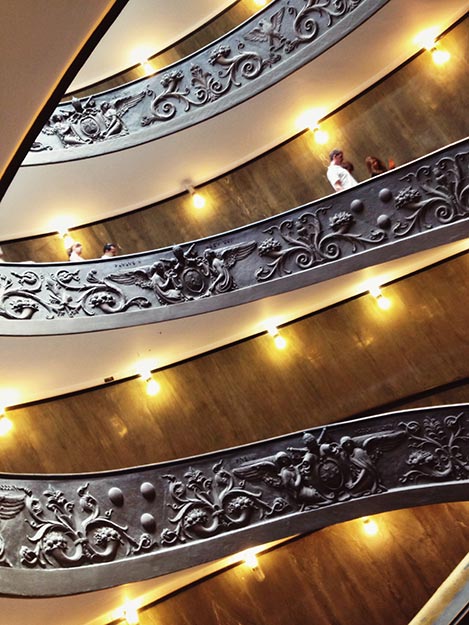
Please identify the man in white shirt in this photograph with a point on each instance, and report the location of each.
(339, 177)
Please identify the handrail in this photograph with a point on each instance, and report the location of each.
(269, 46)
(413, 208)
(73, 533)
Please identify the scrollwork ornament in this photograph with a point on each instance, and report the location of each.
(440, 190)
(436, 450)
(302, 243)
(76, 533)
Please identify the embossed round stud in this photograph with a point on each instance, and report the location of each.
(385, 195)
(148, 522)
(357, 206)
(383, 221)
(148, 491)
(116, 496)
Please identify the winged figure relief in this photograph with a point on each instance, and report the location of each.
(280, 472)
(220, 262)
(114, 111)
(359, 455)
(268, 30)
(155, 278)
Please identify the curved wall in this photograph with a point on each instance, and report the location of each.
(339, 363)
(423, 107)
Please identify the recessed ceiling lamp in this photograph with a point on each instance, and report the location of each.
(279, 341)
(6, 424)
(428, 40)
(249, 558)
(383, 302)
(260, 3)
(370, 527)
(144, 371)
(198, 200)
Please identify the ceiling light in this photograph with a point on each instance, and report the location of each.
(198, 200)
(6, 425)
(383, 302)
(249, 558)
(260, 3)
(426, 39)
(320, 136)
(310, 119)
(280, 342)
(439, 56)
(370, 527)
(153, 387)
(131, 614)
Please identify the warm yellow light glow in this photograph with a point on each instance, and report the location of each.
(5, 425)
(153, 387)
(250, 559)
(310, 118)
(426, 39)
(143, 368)
(280, 342)
(68, 240)
(375, 291)
(383, 302)
(370, 527)
(62, 224)
(321, 136)
(198, 200)
(260, 3)
(439, 56)
(272, 329)
(131, 614)
(147, 66)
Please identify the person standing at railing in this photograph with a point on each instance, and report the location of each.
(75, 252)
(376, 166)
(110, 250)
(339, 177)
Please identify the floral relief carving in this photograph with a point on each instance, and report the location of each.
(76, 533)
(418, 199)
(440, 190)
(303, 242)
(244, 55)
(436, 450)
(60, 525)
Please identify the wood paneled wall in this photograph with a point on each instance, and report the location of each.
(229, 19)
(416, 110)
(339, 363)
(337, 576)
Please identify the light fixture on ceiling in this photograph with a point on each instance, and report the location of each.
(428, 40)
(320, 136)
(130, 613)
(250, 559)
(6, 425)
(370, 527)
(147, 66)
(383, 302)
(260, 3)
(279, 341)
(152, 386)
(198, 200)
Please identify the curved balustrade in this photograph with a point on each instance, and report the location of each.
(281, 38)
(117, 527)
(413, 208)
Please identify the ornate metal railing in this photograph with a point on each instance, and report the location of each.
(272, 44)
(415, 207)
(111, 528)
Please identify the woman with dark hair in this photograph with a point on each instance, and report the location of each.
(376, 166)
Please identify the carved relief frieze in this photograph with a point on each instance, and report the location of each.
(426, 195)
(286, 32)
(67, 522)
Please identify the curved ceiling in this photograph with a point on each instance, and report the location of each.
(92, 189)
(31, 73)
(144, 28)
(74, 362)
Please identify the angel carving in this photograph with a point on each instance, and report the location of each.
(358, 454)
(155, 278)
(114, 111)
(268, 30)
(221, 261)
(60, 125)
(278, 471)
